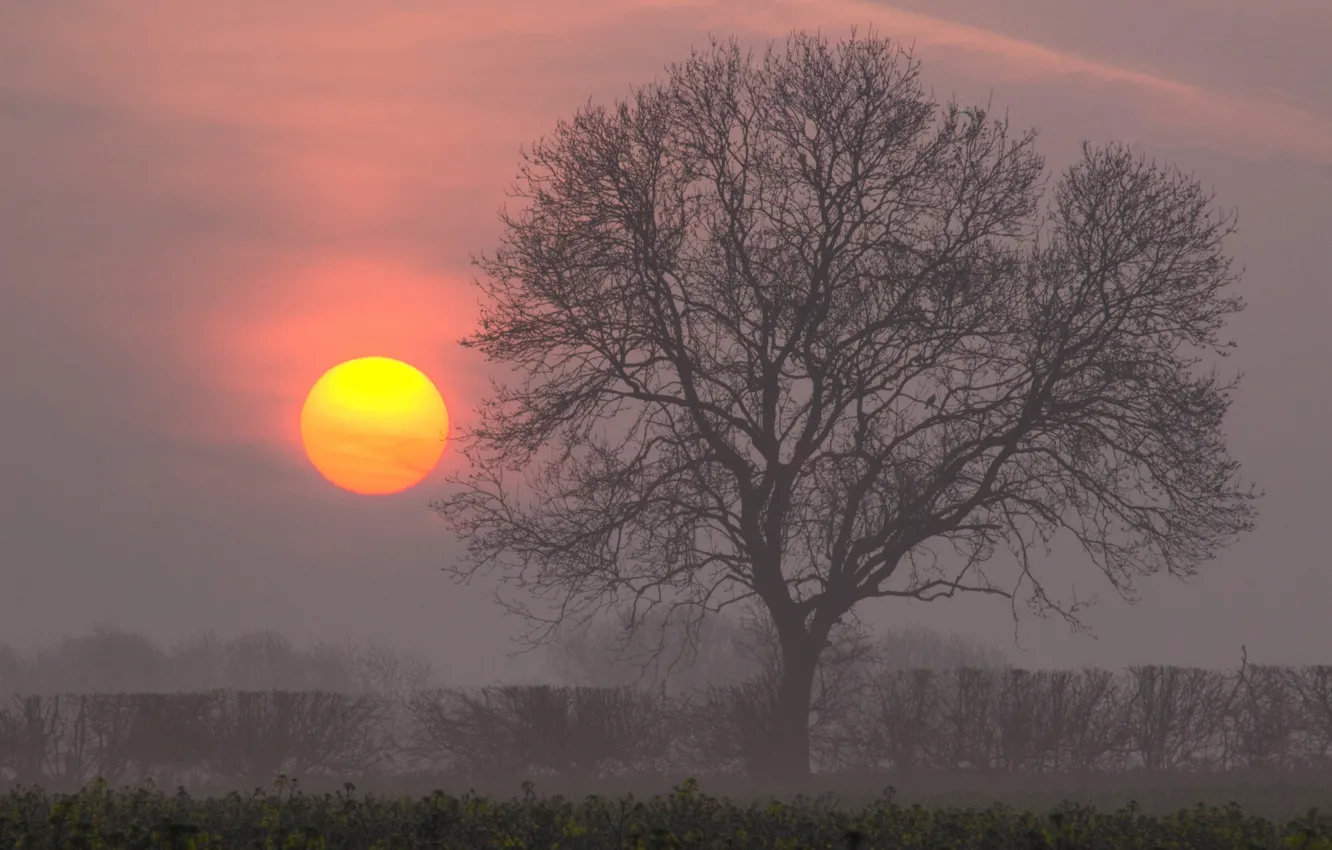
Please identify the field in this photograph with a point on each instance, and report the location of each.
(1276, 797)
(939, 812)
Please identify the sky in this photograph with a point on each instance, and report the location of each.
(204, 206)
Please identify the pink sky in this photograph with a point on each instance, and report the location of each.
(212, 203)
(359, 119)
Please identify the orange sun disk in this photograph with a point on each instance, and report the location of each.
(374, 425)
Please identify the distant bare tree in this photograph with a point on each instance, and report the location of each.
(391, 672)
(1175, 714)
(739, 666)
(110, 721)
(168, 734)
(105, 661)
(30, 726)
(496, 731)
(267, 660)
(618, 651)
(15, 671)
(968, 696)
(1313, 685)
(116, 661)
(1098, 724)
(257, 734)
(787, 330)
(197, 662)
(898, 721)
(609, 652)
(923, 648)
(1266, 714)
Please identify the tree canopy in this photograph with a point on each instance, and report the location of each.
(786, 330)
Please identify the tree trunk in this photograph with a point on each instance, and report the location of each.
(788, 757)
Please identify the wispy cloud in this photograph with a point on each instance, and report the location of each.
(1191, 114)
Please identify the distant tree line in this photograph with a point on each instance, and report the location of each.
(996, 721)
(118, 661)
(869, 714)
(116, 704)
(725, 652)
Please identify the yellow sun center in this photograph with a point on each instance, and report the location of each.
(374, 425)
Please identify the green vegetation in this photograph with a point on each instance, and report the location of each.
(285, 817)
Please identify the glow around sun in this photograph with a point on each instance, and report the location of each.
(374, 425)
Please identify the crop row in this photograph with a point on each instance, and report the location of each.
(143, 818)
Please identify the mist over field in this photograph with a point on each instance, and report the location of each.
(369, 687)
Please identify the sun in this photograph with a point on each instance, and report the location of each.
(374, 425)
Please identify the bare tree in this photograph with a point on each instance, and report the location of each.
(257, 734)
(15, 671)
(1313, 685)
(495, 731)
(624, 651)
(30, 730)
(197, 662)
(786, 330)
(920, 648)
(265, 660)
(1175, 712)
(105, 661)
(609, 652)
(390, 672)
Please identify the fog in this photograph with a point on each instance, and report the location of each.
(387, 735)
(204, 207)
(109, 660)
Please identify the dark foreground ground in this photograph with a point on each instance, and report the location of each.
(1276, 797)
(959, 818)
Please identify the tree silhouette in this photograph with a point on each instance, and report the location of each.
(727, 298)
